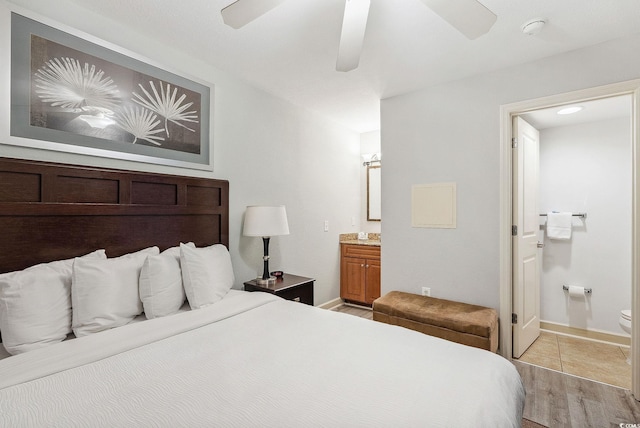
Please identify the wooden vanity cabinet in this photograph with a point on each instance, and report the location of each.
(359, 273)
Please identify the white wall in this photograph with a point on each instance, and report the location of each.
(451, 132)
(369, 143)
(587, 168)
(271, 151)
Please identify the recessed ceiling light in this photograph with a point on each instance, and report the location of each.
(570, 110)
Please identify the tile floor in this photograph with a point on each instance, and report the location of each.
(580, 357)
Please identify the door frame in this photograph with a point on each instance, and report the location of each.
(507, 112)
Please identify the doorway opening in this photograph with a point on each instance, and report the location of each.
(533, 111)
(583, 165)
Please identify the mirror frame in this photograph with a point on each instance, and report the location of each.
(374, 200)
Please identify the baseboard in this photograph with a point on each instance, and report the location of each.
(597, 335)
(331, 304)
(359, 306)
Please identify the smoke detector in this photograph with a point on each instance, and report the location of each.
(533, 26)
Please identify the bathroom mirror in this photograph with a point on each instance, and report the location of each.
(373, 194)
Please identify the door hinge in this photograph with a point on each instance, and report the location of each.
(514, 230)
(514, 143)
(514, 318)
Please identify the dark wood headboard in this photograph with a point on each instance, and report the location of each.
(52, 211)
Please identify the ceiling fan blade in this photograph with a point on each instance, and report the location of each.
(354, 25)
(242, 12)
(470, 17)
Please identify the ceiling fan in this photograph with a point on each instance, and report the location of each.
(470, 17)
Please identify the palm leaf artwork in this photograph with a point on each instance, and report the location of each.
(166, 105)
(65, 83)
(139, 122)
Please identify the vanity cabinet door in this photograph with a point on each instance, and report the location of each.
(360, 273)
(352, 279)
(372, 282)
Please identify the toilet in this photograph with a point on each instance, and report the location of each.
(625, 323)
(625, 320)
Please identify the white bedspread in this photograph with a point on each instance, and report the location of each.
(255, 360)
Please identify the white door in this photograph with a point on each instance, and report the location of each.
(526, 221)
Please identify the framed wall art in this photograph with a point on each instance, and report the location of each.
(74, 93)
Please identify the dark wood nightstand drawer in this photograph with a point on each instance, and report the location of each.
(302, 293)
(290, 287)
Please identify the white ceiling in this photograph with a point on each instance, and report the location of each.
(291, 51)
(592, 111)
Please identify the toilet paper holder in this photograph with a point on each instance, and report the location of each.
(586, 290)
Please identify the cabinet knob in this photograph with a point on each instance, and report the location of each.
(362, 265)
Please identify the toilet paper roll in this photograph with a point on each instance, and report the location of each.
(576, 291)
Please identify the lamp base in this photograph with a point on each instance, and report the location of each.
(268, 281)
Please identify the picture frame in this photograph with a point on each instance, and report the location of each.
(71, 92)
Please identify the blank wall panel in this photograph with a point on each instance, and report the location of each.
(433, 205)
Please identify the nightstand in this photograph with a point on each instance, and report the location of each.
(290, 287)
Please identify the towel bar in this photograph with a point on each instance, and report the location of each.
(586, 290)
(582, 215)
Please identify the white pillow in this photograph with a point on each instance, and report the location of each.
(207, 274)
(161, 289)
(35, 304)
(104, 293)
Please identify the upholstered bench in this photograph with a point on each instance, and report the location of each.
(459, 322)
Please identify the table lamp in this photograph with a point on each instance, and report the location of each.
(265, 221)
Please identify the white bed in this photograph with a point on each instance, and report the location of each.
(255, 360)
(236, 360)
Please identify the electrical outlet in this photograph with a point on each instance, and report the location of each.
(426, 291)
(326, 225)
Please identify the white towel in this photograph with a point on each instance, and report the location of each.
(559, 226)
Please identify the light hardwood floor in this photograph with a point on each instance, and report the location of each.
(556, 399)
(355, 310)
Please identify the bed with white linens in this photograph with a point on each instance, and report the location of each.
(205, 354)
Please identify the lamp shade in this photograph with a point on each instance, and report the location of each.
(265, 221)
